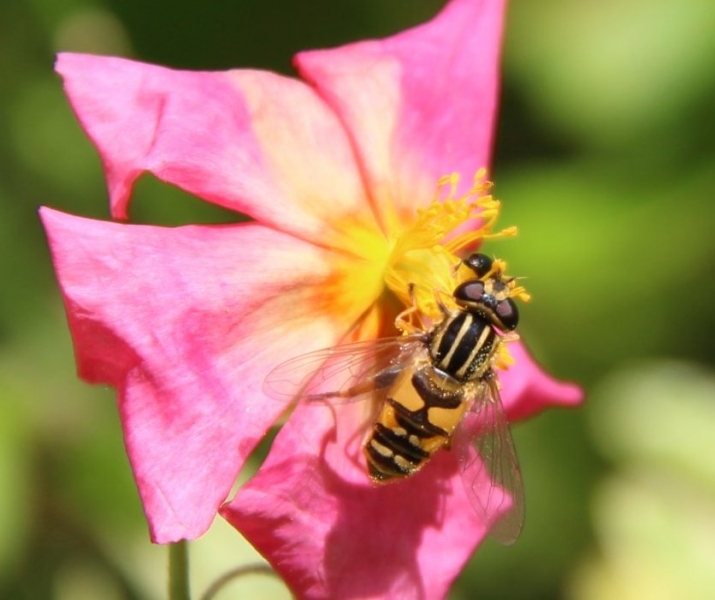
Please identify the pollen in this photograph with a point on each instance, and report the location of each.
(418, 260)
(503, 358)
(424, 259)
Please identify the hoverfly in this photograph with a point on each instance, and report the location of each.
(437, 389)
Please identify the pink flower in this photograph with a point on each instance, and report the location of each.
(186, 322)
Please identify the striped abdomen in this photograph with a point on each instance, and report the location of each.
(418, 418)
(426, 404)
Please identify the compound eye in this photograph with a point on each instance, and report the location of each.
(481, 264)
(470, 292)
(508, 314)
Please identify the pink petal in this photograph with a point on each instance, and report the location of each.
(186, 323)
(331, 534)
(418, 105)
(526, 389)
(251, 141)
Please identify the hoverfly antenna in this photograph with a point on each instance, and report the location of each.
(513, 279)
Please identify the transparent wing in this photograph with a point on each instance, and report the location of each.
(343, 373)
(489, 466)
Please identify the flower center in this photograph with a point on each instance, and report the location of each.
(425, 255)
(419, 262)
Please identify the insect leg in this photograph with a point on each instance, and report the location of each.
(403, 321)
(380, 381)
(438, 295)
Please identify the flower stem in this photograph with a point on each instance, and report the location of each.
(179, 571)
(234, 574)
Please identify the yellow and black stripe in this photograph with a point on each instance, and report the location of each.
(417, 419)
(463, 345)
(427, 401)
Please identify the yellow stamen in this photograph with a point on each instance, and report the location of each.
(420, 260)
(423, 266)
(424, 254)
(503, 359)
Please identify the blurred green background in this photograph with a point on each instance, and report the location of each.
(605, 159)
